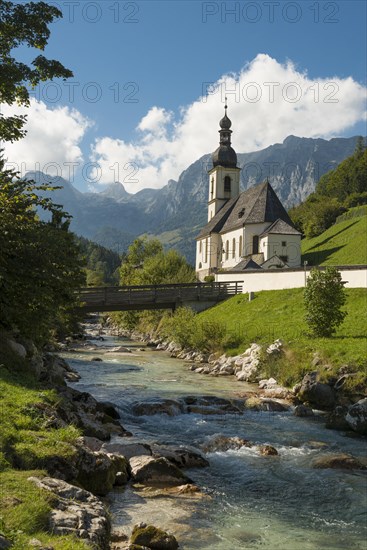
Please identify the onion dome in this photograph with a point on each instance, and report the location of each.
(225, 155)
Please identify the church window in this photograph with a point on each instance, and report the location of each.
(227, 249)
(211, 188)
(233, 248)
(255, 244)
(240, 247)
(206, 250)
(200, 246)
(284, 243)
(227, 184)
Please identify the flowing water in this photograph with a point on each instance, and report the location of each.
(253, 501)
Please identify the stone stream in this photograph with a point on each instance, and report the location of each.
(250, 501)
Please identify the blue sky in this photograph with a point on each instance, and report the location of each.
(152, 61)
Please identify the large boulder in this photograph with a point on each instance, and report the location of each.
(148, 536)
(181, 457)
(157, 406)
(336, 419)
(356, 417)
(98, 472)
(317, 394)
(338, 461)
(76, 512)
(156, 471)
(128, 450)
(211, 404)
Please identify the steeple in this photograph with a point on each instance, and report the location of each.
(225, 155)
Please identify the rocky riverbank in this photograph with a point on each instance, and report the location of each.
(312, 396)
(89, 467)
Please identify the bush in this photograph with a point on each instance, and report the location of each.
(324, 297)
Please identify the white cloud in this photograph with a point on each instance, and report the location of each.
(267, 102)
(52, 142)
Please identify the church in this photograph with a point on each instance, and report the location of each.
(245, 231)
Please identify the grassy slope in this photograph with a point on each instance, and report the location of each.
(342, 244)
(280, 314)
(26, 443)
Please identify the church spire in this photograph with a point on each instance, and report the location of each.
(225, 155)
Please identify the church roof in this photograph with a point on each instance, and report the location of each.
(280, 227)
(246, 264)
(217, 221)
(258, 204)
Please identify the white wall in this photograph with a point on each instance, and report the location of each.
(232, 261)
(254, 281)
(271, 245)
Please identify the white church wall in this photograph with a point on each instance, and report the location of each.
(251, 230)
(288, 246)
(231, 255)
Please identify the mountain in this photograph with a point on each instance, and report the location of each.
(177, 211)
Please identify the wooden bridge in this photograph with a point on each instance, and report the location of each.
(199, 296)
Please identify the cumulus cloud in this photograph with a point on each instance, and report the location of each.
(52, 143)
(267, 102)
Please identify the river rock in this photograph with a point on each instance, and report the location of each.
(128, 450)
(97, 471)
(211, 404)
(119, 349)
(156, 471)
(92, 443)
(17, 348)
(82, 410)
(222, 443)
(108, 408)
(273, 405)
(157, 406)
(5, 543)
(76, 512)
(357, 417)
(181, 457)
(336, 419)
(151, 537)
(319, 395)
(338, 461)
(267, 450)
(302, 411)
(96, 359)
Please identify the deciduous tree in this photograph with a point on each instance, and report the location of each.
(24, 24)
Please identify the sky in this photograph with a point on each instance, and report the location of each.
(150, 80)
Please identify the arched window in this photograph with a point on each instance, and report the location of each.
(233, 248)
(227, 249)
(240, 247)
(211, 187)
(227, 184)
(200, 246)
(206, 251)
(255, 244)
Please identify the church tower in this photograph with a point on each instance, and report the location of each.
(224, 177)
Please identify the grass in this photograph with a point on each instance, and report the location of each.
(345, 243)
(24, 513)
(26, 446)
(280, 314)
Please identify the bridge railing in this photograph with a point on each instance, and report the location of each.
(167, 293)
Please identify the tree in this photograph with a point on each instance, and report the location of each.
(24, 24)
(40, 266)
(324, 297)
